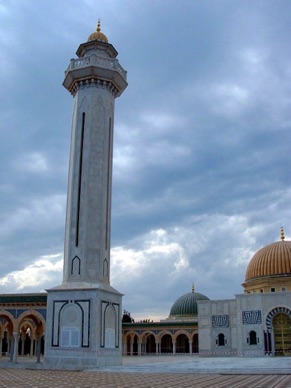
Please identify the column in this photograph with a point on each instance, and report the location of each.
(22, 344)
(157, 348)
(43, 344)
(174, 347)
(124, 348)
(131, 348)
(8, 344)
(1, 343)
(38, 348)
(190, 347)
(31, 347)
(139, 349)
(15, 348)
(271, 342)
(10, 347)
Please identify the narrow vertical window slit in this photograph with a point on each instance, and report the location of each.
(80, 181)
(108, 182)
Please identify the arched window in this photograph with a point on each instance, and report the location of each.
(221, 340)
(253, 338)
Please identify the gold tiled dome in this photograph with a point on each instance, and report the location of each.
(272, 260)
(98, 35)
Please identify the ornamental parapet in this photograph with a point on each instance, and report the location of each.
(95, 60)
(93, 82)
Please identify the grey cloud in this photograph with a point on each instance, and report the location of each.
(202, 138)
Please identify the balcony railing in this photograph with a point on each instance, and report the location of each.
(94, 60)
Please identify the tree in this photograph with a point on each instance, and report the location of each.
(126, 318)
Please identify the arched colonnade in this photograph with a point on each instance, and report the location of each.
(174, 342)
(21, 333)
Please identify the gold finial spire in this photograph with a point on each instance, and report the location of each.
(98, 26)
(98, 35)
(282, 234)
(193, 288)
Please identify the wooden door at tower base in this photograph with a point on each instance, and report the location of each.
(282, 334)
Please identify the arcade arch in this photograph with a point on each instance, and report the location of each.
(278, 335)
(138, 342)
(7, 324)
(282, 334)
(31, 329)
(22, 335)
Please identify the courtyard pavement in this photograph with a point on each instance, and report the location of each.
(196, 364)
(155, 371)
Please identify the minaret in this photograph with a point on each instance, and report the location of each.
(84, 312)
(95, 79)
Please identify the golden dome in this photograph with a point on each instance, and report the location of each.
(98, 35)
(272, 260)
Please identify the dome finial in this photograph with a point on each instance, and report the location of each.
(193, 288)
(98, 26)
(98, 35)
(282, 234)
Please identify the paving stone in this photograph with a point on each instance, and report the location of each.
(149, 372)
(14, 378)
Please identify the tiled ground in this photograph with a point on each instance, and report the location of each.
(15, 378)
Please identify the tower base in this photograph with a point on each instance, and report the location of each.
(83, 327)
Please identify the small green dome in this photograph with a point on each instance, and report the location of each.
(187, 304)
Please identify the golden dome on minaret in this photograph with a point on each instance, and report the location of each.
(98, 35)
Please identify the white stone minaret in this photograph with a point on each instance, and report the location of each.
(84, 312)
(95, 79)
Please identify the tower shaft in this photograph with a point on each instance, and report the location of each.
(95, 80)
(84, 312)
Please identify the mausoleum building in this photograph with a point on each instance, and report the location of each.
(255, 323)
(258, 322)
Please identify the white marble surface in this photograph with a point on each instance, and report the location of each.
(196, 364)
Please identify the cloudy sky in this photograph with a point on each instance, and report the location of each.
(201, 150)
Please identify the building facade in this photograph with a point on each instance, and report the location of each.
(255, 323)
(177, 334)
(22, 325)
(160, 338)
(258, 322)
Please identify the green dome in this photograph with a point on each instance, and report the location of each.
(187, 304)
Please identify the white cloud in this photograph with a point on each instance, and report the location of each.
(199, 250)
(42, 273)
(254, 59)
(35, 162)
(230, 99)
(162, 121)
(155, 250)
(46, 212)
(201, 175)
